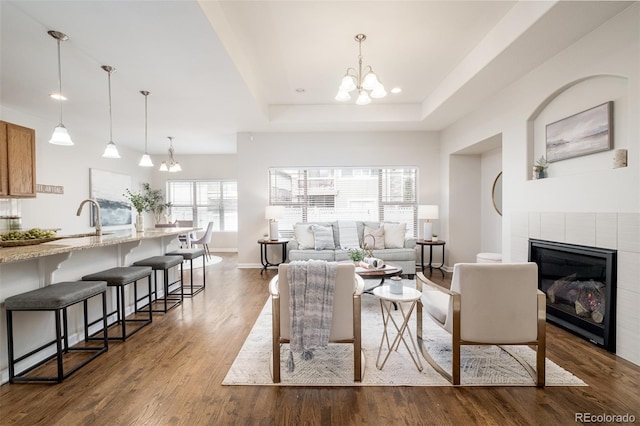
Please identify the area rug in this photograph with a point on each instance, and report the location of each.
(481, 365)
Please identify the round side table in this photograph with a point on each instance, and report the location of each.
(264, 243)
(430, 243)
(409, 296)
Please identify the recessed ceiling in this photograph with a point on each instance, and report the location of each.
(216, 68)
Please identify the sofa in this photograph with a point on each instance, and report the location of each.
(323, 241)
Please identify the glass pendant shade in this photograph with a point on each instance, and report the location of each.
(111, 151)
(363, 98)
(378, 92)
(163, 167)
(342, 96)
(370, 81)
(348, 84)
(145, 161)
(60, 136)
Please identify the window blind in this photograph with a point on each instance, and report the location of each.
(327, 194)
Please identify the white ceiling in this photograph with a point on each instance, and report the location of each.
(216, 68)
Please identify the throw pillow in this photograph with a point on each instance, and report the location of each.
(378, 235)
(304, 236)
(324, 237)
(394, 235)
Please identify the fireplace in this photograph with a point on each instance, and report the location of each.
(580, 287)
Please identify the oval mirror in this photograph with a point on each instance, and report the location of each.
(496, 193)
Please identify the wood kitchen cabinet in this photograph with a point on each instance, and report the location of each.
(17, 161)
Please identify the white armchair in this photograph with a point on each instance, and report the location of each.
(488, 304)
(345, 323)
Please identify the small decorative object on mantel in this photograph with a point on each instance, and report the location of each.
(434, 238)
(540, 167)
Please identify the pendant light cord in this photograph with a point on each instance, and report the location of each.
(59, 81)
(110, 118)
(145, 123)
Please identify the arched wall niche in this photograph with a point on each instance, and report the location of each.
(574, 97)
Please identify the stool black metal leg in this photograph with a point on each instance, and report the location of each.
(59, 344)
(10, 344)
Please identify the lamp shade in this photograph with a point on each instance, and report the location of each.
(61, 136)
(428, 212)
(274, 212)
(111, 151)
(145, 161)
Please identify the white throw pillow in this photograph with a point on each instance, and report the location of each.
(324, 237)
(378, 235)
(304, 236)
(394, 235)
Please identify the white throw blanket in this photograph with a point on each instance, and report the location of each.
(348, 231)
(311, 288)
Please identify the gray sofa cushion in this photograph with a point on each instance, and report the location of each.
(311, 254)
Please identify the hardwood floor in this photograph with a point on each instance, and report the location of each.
(171, 373)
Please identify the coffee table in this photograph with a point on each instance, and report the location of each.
(386, 272)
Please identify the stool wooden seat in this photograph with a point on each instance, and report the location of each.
(120, 277)
(190, 255)
(164, 263)
(56, 298)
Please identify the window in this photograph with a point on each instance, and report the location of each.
(329, 194)
(205, 201)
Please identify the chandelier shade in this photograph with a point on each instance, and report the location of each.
(60, 134)
(364, 80)
(111, 150)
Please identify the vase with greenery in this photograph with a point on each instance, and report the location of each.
(540, 167)
(140, 203)
(155, 201)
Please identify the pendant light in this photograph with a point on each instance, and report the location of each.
(111, 151)
(145, 161)
(60, 134)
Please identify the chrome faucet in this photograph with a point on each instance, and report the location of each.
(95, 203)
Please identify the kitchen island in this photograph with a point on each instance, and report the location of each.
(27, 268)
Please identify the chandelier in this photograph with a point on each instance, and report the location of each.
(367, 84)
(145, 160)
(172, 165)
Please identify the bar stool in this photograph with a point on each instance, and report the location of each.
(120, 277)
(56, 298)
(190, 255)
(164, 263)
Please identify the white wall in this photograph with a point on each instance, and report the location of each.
(260, 151)
(69, 167)
(490, 219)
(586, 186)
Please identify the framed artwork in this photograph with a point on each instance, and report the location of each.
(108, 188)
(583, 133)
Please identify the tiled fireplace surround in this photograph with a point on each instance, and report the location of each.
(620, 231)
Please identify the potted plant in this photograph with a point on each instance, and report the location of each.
(155, 201)
(540, 167)
(434, 237)
(356, 254)
(139, 203)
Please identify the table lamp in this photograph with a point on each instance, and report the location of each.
(272, 214)
(427, 212)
